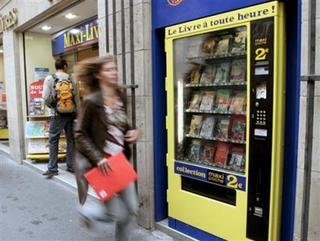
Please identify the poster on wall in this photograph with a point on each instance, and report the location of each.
(40, 73)
(37, 106)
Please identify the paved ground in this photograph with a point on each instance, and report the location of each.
(33, 208)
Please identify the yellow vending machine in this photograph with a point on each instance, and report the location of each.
(225, 121)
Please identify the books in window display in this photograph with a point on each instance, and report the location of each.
(209, 46)
(193, 76)
(223, 101)
(222, 73)
(238, 128)
(221, 154)
(223, 46)
(238, 103)
(207, 153)
(195, 125)
(195, 101)
(208, 75)
(41, 146)
(237, 159)
(239, 42)
(207, 102)
(207, 128)
(195, 151)
(222, 129)
(37, 129)
(238, 72)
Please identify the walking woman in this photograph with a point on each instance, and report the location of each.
(102, 130)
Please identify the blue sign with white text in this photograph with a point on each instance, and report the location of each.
(169, 12)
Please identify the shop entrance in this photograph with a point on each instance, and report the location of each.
(71, 35)
(4, 133)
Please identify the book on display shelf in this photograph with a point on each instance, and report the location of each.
(195, 151)
(222, 73)
(237, 159)
(223, 45)
(194, 49)
(209, 45)
(195, 126)
(207, 153)
(207, 102)
(223, 101)
(207, 127)
(195, 101)
(195, 75)
(239, 42)
(222, 128)
(238, 71)
(208, 75)
(37, 129)
(41, 146)
(238, 102)
(221, 154)
(238, 128)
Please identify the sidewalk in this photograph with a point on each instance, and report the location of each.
(33, 208)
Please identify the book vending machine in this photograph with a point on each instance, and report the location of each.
(225, 121)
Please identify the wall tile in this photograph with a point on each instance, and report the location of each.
(298, 209)
(305, 48)
(314, 231)
(316, 136)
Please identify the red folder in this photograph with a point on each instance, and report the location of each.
(118, 178)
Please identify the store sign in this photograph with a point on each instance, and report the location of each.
(212, 176)
(81, 35)
(8, 20)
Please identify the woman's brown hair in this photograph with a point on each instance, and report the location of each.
(87, 70)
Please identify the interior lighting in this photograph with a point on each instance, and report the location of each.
(74, 31)
(46, 28)
(71, 16)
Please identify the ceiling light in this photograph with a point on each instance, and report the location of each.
(46, 28)
(75, 31)
(71, 16)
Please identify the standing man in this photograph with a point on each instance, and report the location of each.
(60, 93)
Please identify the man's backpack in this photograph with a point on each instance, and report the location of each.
(64, 96)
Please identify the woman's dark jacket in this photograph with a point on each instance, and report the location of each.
(91, 133)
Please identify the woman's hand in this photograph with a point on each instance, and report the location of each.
(104, 166)
(132, 136)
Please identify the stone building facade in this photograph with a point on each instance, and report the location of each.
(125, 30)
(308, 170)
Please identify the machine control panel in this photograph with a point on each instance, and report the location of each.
(261, 107)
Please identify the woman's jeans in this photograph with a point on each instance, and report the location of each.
(122, 209)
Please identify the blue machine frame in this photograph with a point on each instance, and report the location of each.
(165, 14)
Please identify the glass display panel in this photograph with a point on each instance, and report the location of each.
(211, 99)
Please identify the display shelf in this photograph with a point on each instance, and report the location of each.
(215, 85)
(43, 156)
(214, 112)
(39, 116)
(215, 167)
(42, 137)
(222, 57)
(4, 134)
(216, 139)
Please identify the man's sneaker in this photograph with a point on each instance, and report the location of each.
(50, 174)
(70, 169)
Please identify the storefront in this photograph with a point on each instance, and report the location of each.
(68, 40)
(225, 74)
(4, 133)
(31, 42)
